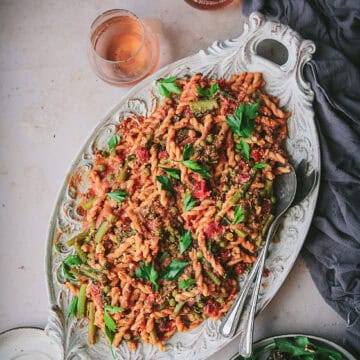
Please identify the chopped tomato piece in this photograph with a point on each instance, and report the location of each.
(200, 192)
(240, 268)
(95, 292)
(255, 154)
(143, 154)
(212, 229)
(165, 326)
(266, 273)
(163, 154)
(243, 178)
(225, 255)
(212, 309)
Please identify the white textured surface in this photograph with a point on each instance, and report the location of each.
(50, 102)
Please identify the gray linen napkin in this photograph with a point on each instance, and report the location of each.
(332, 248)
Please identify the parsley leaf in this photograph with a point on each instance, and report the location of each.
(115, 309)
(184, 284)
(242, 122)
(239, 215)
(175, 269)
(163, 256)
(113, 141)
(168, 86)
(119, 195)
(72, 260)
(185, 241)
(109, 322)
(188, 151)
(166, 183)
(195, 167)
(245, 149)
(66, 270)
(189, 202)
(208, 93)
(260, 166)
(72, 308)
(174, 173)
(147, 272)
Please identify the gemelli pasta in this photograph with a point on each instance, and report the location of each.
(178, 206)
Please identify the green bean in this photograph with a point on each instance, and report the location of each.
(122, 175)
(101, 232)
(110, 177)
(172, 302)
(241, 233)
(236, 197)
(202, 106)
(78, 237)
(199, 254)
(222, 244)
(88, 205)
(259, 240)
(178, 307)
(153, 337)
(273, 200)
(267, 224)
(91, 326)
(80, 310)
(213, 277)
(81, 254)
(229, 235)
(268, 187)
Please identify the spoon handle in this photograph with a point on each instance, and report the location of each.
(230, 321)
(246, 337)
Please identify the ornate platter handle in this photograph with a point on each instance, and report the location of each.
(257, 29)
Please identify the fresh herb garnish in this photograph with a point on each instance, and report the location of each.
(72, 260)
(208, 93)
(186, 283)
(175, 269)
(242, 122)
(115, 309)
(185, 241)
(73, 306)
(166, 183)
(147, 272)
(244, 149)
(66, 270)
(189, 202)
(163, 256)
(113, 141)
(239, 215)
(260, 166)
(168, 86)
(119, 195)
(109, 322)
(196, 167)
(188, 151)
(174, 173)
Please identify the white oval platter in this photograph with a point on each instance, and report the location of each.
(222, 59)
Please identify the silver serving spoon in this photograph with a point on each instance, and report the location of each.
(284, 189)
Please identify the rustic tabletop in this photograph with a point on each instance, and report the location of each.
(50, 101)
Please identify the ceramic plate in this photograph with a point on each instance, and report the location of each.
(318, 340)
(27, 344)
(222, 59)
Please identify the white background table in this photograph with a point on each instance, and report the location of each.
(50, 100)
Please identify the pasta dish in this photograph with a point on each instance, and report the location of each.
(179, 204)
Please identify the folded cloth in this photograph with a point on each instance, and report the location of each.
(332, 248)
